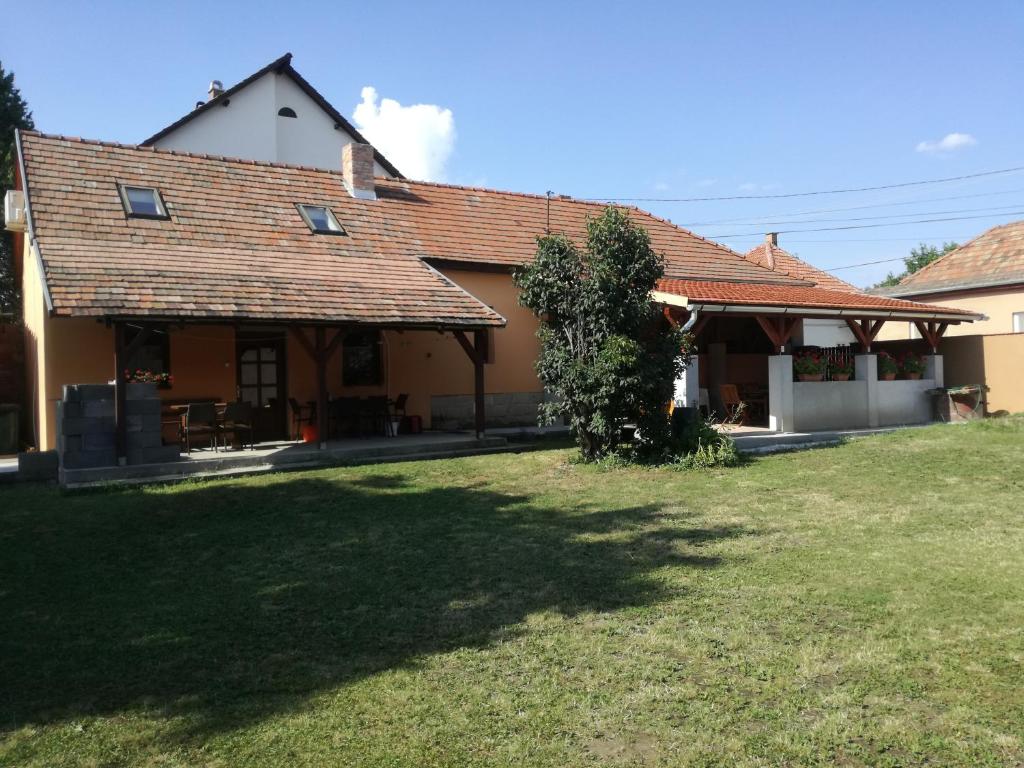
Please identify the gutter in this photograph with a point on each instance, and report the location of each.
(883, 314)
(33, 243)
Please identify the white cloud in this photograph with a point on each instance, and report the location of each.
(948, 143)
(418, 139)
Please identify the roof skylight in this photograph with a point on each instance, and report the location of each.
(142, 202)
(320, 220)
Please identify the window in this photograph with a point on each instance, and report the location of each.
(1018, 322)
(360, 359)
(155, 353)
(286, 112)
(320, 220)
(142, 202)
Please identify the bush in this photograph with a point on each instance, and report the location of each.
(698, 445)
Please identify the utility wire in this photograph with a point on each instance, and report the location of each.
(994, 211)
(866, 226)
(758, 219)
(801, 194)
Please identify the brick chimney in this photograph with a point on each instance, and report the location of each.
(771, 240)
(357, 170)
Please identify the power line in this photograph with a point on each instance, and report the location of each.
(866, 226)
(865, 264)
(994, 211)
(953, 238)
(759, 219)
(801, 194)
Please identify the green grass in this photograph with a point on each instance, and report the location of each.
(857, 605)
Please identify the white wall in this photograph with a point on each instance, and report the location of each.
(824, 333)
(249, 127)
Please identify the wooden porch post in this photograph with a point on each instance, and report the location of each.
(477, 353)
(865, 332)
(122, 354)
(480, 345)
(321, 385)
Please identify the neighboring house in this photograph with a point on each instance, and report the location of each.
(268, 281)
(272, 115)
(814, 332)
(986, 276)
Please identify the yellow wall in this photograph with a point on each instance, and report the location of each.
(996, 360)
(998, 305)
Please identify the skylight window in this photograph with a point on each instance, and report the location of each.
(320, 220)
(142, 202)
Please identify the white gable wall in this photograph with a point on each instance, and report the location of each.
(249, 127)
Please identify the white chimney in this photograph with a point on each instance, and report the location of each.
(216, 89)
(357, 170)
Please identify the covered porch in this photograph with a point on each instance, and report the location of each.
(742, 368)
(293, 382)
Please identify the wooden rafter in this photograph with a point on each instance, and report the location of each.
(931, 332)
(865, 330)
(777, 329)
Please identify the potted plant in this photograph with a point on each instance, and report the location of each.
(912, 366)
(809, 366)
(841, 370)
(887, 367)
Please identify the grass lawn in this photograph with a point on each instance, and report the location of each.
(858, 605)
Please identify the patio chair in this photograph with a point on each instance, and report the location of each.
(237, 421)
(735, 410)
(200, 419)
(398, 407)
(301, 414)
(378, 414)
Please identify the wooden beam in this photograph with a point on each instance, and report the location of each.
(480, 343)
(321, 384)
(466, 345)
(700, 325)
(122, 354)
(770, 331)
(777, 329)
(858, 332)
(304, 342)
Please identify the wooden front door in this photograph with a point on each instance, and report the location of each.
(261, 381)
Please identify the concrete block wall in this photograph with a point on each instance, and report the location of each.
(87, 431)
(508, 409)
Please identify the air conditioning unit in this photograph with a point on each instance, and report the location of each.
(14, 210)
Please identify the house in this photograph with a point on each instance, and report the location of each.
(814, 332)
(985, 276)
(266, 281)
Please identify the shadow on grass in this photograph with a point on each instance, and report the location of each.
(230, 602)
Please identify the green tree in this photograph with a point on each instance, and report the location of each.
(606, 352)
(14, 113)
(919, 257)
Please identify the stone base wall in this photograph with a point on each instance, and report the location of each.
(502, 409)
(86, 429)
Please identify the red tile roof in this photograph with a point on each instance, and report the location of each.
(234, 247)
(797, 296)
(779, 260)
(995, 257)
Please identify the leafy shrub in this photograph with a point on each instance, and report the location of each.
(698, 445)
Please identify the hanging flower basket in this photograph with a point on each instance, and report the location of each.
(141, 376)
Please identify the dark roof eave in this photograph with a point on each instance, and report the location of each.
(280, 66)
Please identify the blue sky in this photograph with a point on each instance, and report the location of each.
(607, 99)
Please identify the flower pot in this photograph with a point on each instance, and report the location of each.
(887, 377)
(840, 377)
(912, 376)
(810, 376)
